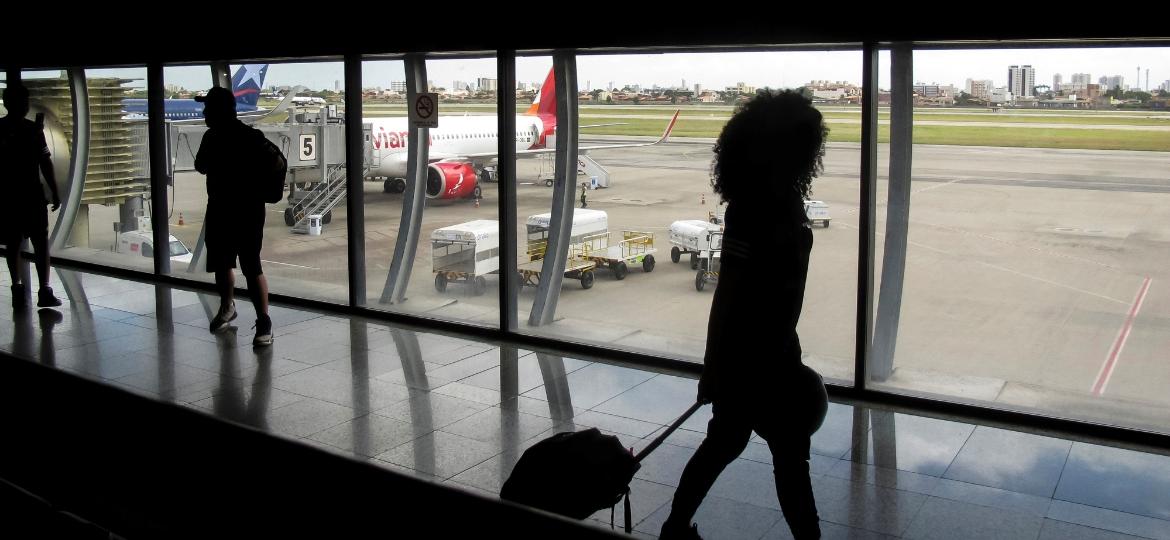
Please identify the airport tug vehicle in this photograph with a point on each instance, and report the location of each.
(709, 262)
(465, 253)
(691, 236)
(588, 225)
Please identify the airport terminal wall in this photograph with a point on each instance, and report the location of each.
(1023, 244)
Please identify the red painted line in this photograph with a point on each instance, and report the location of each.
(1119, 343)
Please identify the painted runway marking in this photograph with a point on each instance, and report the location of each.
(290, 264)
(1118, 344)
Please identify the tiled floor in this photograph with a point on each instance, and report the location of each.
(461, 412)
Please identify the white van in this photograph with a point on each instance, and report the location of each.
(142, 243)
(589, 226)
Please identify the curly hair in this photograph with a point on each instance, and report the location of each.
(771, 149)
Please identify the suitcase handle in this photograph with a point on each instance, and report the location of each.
(659, 439)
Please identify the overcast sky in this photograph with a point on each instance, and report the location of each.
(719, 70)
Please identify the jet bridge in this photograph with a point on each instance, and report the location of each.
(315, 149)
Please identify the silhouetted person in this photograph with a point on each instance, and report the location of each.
(235, 210)
(765, 160)
(583, 188)
(23, 151)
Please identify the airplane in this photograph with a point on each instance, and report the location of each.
(298, 100)
(462, 146)
(246, 85)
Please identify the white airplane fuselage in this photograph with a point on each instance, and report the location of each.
(457, 137)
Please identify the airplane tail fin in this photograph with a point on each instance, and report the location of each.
(246, 84)
(546, 100)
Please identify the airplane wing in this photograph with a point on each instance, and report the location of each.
(260, 114)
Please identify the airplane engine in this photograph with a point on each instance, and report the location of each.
(451, 180)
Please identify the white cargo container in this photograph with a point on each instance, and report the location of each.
(588, 225)
(691, 236)
(465, 253)
(817, 211)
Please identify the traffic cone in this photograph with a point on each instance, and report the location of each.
(181, 219)
(477, 202)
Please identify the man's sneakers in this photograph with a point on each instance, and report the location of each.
(45, 298)
(263, 331)
(222, 318)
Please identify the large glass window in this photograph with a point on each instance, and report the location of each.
(450, 268)
(108, 221)
(1037, 234)
(641, 205)
(300, 108)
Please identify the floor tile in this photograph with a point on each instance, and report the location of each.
(1059, 530)
(911, 443)
(1117, 479)
(1011, 460)
(721, 518)
(1110, 520)
(368, 435)
(946, 519)
(440, 454)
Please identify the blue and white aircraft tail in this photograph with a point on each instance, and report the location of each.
(246, 85)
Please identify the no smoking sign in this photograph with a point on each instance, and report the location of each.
(424, 111)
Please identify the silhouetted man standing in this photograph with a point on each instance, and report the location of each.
(22, 151)
(235, 210)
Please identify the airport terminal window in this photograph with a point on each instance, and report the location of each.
(633, 196)
(188, 189)
(105, 222)
(460, 203)
(305, 237)
(1037, 234)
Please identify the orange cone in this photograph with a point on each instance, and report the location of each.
(181, 219)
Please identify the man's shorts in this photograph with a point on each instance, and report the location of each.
(233, 233)
(31, 222)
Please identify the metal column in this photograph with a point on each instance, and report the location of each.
(159, 168)
(355, 209)
(865, 246)
(506, 177)
(889, 307)
(78, 160)
(415, 197)
(560, 225)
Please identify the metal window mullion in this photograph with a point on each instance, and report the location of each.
(506, 180)
(355, 209)
(889, 306)
(866, 236)
(157, 148)
(79, 160)
(560, 225)
(413, 201)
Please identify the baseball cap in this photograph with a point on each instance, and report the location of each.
(218, 97)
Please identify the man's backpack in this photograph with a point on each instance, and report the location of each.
(271, 170)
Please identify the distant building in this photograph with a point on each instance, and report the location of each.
(485, 84)
(980, 89)
(934, 94)
(1109, 83)
(742, 88)
(398, 86)
(1021, 79)
(1081, 78)
(1056, 80)
(698, 89)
